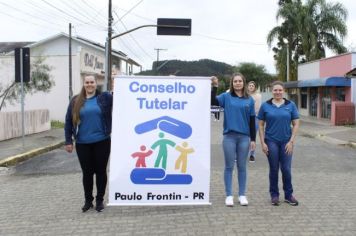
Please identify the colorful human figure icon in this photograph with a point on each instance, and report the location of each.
(141, 156)
(162, 151)
(181, 162)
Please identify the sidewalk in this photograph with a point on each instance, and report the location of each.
(322, 130)
(12, 151)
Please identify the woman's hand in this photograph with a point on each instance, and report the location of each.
(264, 148)
(69, 148)
(252, 145)
(214, 81)
(289, 148)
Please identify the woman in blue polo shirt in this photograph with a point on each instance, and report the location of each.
(88, 121)
(277, 140)
(239, 132)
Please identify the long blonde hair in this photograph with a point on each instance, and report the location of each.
(244, 89)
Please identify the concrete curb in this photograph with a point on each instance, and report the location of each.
(13, 160)
(328, 139)
(352, 144)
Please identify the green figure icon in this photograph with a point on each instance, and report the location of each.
(162, 153)
(181, 162)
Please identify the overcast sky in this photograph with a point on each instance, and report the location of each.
(230, 31)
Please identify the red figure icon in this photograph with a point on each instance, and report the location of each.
(141, 156)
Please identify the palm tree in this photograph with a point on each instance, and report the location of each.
(324, 26)
(307, 29)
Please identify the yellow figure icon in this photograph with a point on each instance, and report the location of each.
(182, 160)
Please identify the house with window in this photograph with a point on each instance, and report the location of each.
(323, 87)
(88, 57)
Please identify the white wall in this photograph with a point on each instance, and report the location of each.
(353, 60)
(56, 101)
(309, 71)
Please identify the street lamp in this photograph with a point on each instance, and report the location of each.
(165, 26)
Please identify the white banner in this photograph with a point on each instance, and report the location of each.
(160, 147)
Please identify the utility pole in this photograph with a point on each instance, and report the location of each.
(70, 62)
(287, 63)
(108, 55)
(158, 49)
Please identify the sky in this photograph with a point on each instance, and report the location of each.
(230, 31)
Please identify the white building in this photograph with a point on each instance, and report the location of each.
(88, 57)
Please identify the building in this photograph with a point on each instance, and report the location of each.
(323, 84)
(88, 57)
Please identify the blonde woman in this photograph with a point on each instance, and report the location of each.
(239, 133)
(252, 91)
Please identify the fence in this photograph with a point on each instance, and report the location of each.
(11, 124)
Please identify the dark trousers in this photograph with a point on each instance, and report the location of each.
(93, 159)
(279, 159)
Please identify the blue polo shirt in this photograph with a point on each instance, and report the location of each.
(237, 112)
(91, 128)
(278, 120)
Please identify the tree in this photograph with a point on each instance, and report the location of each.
(41, 80)
(307, 29)
(254, 72)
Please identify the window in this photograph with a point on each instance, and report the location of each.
(304, 98)
(340, 94)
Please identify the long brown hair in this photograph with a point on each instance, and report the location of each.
(78, 102)
(244, 89)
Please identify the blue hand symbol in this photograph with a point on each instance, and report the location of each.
(166, 124)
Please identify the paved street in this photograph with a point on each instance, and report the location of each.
(43, 196)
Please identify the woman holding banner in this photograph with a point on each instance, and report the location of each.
(88, 120)
(239, 133)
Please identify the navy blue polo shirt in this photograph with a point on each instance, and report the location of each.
(278, 120)
(237, 112)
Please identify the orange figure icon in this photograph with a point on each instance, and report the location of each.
(141, 156)
(181, 162)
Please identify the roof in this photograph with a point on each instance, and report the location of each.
(321, 82)
(88, 42)
(351, 73)
(6, 47)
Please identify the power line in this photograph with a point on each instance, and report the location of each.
(29, 22)
(134, 39)
(97, 12)
(80, 12)
(36, 17)
(119, 19)
(66, 13)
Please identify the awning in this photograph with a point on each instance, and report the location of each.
(322, 82)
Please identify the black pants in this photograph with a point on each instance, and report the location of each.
(217, 115)
(93, 159)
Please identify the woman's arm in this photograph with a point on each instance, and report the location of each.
(290, 144)
(261, 132)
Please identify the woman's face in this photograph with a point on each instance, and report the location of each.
(277, 91)
(237, 83)
(90, 84)
(251, 87)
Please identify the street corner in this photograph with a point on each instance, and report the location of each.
(15, 159)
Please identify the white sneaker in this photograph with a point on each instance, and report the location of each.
(229, 201)
(243, 200)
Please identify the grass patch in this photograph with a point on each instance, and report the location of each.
(56, 124)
